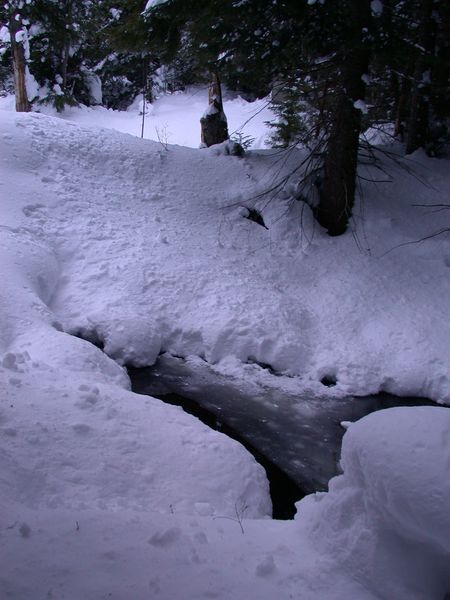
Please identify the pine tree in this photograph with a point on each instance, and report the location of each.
(64, 46)
(412, 68)
(348, 47)
(275, 41)
(427, 95)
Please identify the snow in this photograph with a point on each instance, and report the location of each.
(20, 35)
(376, 6)
(361, 105)
(115, 13)
(94, 84)
(57, 89)
(144, 247)
(5, 36)
(282, 296)
(32, 85)
(388, 513)
(152, 3)
(210, 110)
(178, 114)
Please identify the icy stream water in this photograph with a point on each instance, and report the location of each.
(299, 436)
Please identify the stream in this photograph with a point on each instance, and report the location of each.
(297, 439)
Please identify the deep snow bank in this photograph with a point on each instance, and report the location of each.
(73, 437)
(156, 254)
(387, 517)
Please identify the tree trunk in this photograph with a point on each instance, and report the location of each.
(66, 48)
(19, 66)
(214, 127)
(337, 191)
(441, 69)
(439, 127)
(64, 64)
(418, 119)
(401, 107)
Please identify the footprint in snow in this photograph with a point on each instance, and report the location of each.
(165, 537)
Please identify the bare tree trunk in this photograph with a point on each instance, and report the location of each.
(401, 107)
(66, 49)
(19, 66)
(441, 71)
(214, 127)
(337, 191)
(64, 64)
(215, 90)
(418, 119)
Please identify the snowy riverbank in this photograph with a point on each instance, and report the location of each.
(146, 248)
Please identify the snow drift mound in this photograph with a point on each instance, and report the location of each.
(387, 517)
(403, 464)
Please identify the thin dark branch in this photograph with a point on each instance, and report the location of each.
(424, 239)
(442, 206)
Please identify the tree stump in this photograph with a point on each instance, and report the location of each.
(214, 126)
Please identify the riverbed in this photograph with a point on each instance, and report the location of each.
(296, 437)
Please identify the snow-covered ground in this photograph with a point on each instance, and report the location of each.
(144, 247)
(173, 118)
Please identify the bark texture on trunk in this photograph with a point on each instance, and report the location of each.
(214, 127)
(337, 190)
(19, 67)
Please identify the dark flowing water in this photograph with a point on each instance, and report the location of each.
(296, 438)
